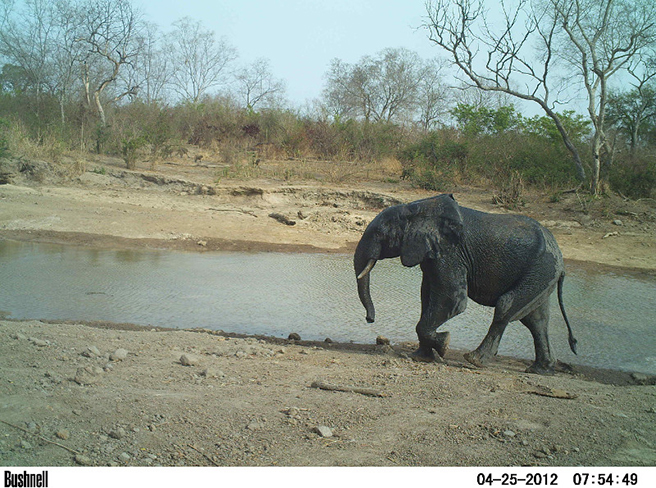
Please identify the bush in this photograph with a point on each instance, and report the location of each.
(635, 179)
(433, 163)
(4, 142)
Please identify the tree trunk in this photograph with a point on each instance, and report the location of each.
(101, 110)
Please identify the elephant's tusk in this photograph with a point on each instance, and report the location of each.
(367, 268)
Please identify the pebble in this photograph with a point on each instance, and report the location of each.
(88, 375)
(25, 444)
(83, 460)
(118, 433)
(213, 373)
(643, 379)
(188, 360)
(618, 222)
(119, 355)
(91, 352)
(294, 337)
(509, 433)
(323, 431)
(124, 456)
(19, 336)
(39, 342)
(63, 434)
(382, 341)
(254, 425)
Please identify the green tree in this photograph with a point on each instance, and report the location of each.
(474, 120)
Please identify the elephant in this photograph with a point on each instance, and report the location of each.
(509, 262)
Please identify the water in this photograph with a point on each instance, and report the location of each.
(613, 314)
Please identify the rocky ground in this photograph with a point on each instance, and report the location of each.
(117, 395)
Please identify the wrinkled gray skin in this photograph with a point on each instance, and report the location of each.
(509, 262)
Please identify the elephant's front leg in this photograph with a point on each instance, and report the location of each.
(439, 303)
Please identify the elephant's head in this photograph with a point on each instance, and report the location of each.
(416, 231)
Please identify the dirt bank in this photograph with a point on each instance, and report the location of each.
(107, 394)
(190, 398)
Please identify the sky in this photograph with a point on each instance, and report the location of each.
(301, 37)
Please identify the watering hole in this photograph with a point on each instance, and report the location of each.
(613, 313)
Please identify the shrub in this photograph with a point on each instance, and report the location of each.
(635, 179)
(433, 163)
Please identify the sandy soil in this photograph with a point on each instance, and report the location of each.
(114, 394)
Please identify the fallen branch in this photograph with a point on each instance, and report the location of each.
(552, 393)
(349, 389)
(204, 455)
(238, 210)
(40, 437)
(283, 219)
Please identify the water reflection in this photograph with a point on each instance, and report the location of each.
(613, 314)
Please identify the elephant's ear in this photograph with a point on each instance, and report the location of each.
(433, 226)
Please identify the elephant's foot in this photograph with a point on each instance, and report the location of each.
(474, 358)
(537, 368)
(424, 354)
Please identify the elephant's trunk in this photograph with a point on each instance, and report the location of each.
(365, 297)
(363, 265)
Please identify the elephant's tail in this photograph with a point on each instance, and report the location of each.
(572, 340)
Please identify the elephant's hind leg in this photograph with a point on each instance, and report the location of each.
(490, 344)
(537, 322)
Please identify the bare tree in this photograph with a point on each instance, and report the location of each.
(199, 59)
(109, 30)
(151, 70)
(26, 42)
(378, 88)
(633, 112)
(541, 47)
(344, 91)
(434, 97)
(255, 84)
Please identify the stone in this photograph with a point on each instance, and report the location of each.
(643, 379)
(382, 341)
(509, 433)
(91, 352)
(294, 337)
(63, 434)
(124, 456)
(323, 431)
(83, 460)
(88, 375)
(254, 425)
(188, 360)
(119, 355)
(39, 342)
(118, 433)
(212, 372)
(618, 222)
